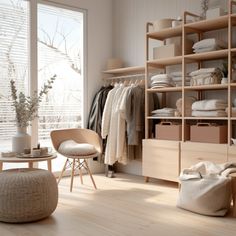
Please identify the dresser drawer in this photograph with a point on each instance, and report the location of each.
(192, 153)
(232, 153)
(161, 159)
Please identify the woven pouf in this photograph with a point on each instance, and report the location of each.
(27, 195)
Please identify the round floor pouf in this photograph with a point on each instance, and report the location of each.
(27, 195)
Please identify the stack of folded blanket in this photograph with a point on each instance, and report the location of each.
(206, 76)
(207, 45)
(211, 107)
(164, 112)
(177, 78)
(233, 111)
(188, 105)
(161, 80)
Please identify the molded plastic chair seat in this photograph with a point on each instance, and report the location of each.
(78, 145)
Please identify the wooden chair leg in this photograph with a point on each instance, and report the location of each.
(72, 175)
(62, 171)
(87, 167)
(80, 172)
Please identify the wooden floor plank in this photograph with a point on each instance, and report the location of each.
(121, 206)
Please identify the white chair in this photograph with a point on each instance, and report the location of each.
(77, 145)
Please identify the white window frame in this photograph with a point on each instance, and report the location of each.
(33, 58)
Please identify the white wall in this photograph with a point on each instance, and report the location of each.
(129, 29)
(99, 46)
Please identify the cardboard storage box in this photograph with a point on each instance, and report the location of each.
(208, 133)
(214, 13)
(170, 131)
(172, 49)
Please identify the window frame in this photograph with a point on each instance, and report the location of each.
(33, 58)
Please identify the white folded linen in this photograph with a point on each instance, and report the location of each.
(160, 77)
(207, 49)
(203, 71)
(216, 113)
(233, 112)
(164, 110)
(205, 43)
(176, 74)
(209, 105)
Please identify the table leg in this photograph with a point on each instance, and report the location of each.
(1, 165)
(31, 164)
(49, 165)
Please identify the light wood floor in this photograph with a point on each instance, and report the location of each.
(121, 206)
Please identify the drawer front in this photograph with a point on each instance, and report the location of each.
(161, 159)
(232, 153)
(192, 153)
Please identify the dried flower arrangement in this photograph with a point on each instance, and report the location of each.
(26, 107)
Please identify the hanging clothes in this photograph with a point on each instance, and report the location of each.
(96, 110)
(123, 120)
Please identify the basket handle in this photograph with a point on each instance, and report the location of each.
(166, 123)
(205, 124)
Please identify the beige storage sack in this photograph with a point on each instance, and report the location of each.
(206, 189)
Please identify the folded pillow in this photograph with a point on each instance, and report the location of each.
(72, 148)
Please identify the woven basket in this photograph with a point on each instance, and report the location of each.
(27, 195)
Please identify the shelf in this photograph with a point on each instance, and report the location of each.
(165, 61)
(165, 89)
(126, 70)
(207, 87)
(233, 118)
(204, 56)
(233, 84)
(163, 118)
(233, 50)
(166, 33)
(207, 25)
(205, 118)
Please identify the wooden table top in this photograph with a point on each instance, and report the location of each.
(28, 158)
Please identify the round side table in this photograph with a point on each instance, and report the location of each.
(29, 160)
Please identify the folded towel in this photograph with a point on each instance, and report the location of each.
(233, 112)
(160, 77)
(209, 105)
(207, 49)
(203, 71)
(164, 110)
(216, 113)
(209, 42)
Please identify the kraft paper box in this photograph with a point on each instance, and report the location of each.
(169, 131)
(208, 133)
(172, 49)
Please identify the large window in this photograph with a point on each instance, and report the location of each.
(60, 52)
(14, 39)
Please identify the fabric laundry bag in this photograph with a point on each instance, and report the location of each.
(206, 188)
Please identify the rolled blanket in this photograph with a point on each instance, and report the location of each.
(216, 113)
(188, 105)
(209, 105)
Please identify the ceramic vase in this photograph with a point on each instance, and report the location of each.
(21, 140)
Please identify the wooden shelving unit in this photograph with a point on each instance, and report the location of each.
(126, 70)
(162, 152)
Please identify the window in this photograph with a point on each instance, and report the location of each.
(14, 24)
(60, 51)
